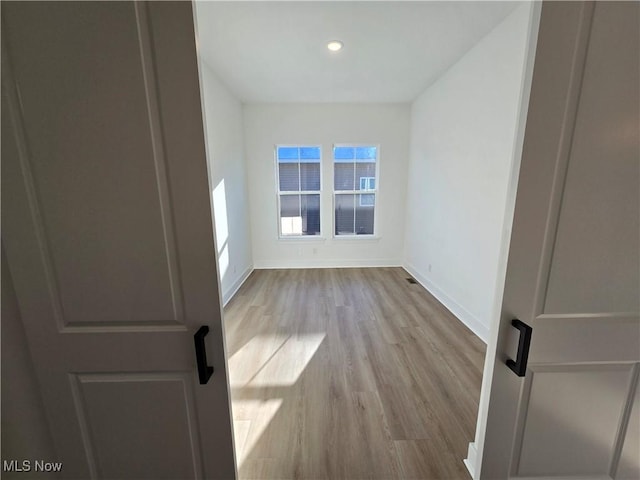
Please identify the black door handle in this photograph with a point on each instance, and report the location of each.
(204, 370)
(520, 365)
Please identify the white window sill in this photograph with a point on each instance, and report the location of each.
(357, 238)
(303, 238)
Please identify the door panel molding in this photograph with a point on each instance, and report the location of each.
(147, 55)
(571, 107)
(586, 332)
(15, 110)
(11, 94)
(521, 419)
(78, 381)
(83, 425)
(624, 421)
(632, 368)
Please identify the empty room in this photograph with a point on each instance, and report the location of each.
(360, 157)
(320, 240)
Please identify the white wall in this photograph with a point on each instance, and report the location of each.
(225, 152)
(267, 125)
(463, 130)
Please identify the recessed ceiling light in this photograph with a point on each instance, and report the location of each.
(334, 45)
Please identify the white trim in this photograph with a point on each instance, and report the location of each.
(235, 286)
(209, 161)
(461, 313)
(471, 461)
(357, 238)
(302, 238)
(332, 263)
(535, 10)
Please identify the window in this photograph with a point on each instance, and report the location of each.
(298, 190)
(355, 189)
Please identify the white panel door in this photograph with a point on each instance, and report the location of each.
(108, 232)
(574, 259)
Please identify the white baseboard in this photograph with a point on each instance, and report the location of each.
(466, 317)
(306, 263)
(233, 289)
(472, 459)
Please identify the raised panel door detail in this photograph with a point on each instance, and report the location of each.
(573, 419)
(596, 258)
(92, 132)
(139, 425)
(629, 462)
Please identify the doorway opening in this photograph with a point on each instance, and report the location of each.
(324, 334)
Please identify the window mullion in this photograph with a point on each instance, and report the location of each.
(299, 186)
(354, 213)
(354, 195)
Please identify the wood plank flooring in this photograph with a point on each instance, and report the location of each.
(348, 374)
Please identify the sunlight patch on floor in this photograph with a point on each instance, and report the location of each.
(273, 359)
(248, 432)
(257, 372)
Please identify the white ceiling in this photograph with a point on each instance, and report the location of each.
(276, 51)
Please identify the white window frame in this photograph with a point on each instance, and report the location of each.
(375, 191)
(279, 193)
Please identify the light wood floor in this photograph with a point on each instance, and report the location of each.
(348, 374)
